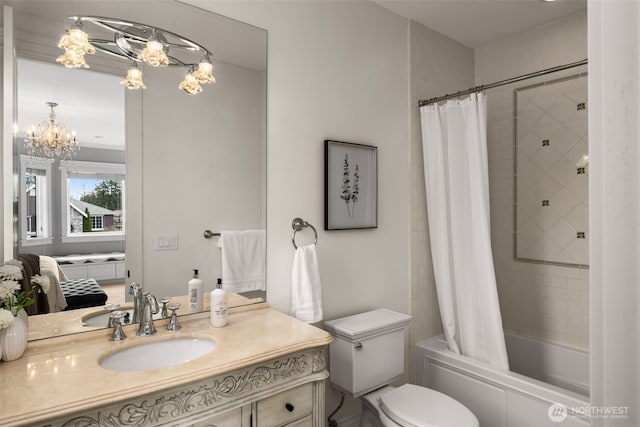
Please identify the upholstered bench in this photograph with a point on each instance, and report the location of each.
(82, 293)
(100, 266)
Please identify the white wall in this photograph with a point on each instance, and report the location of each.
(614, 67)
(336, 70)
(543, 301)
(202, 168)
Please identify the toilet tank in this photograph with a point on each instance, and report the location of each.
(367, 351)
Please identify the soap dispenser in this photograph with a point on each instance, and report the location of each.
(219, 306)
(196, 289)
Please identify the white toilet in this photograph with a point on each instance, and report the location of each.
(367, 353)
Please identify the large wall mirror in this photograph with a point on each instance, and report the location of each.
(179, 164)
(551, 172)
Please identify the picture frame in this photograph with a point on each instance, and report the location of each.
(350, 185)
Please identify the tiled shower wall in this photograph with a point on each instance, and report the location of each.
(544, 301)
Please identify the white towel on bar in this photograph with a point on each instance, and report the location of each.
(306, 289)
(243, 260)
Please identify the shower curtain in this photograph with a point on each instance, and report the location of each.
(454, 140)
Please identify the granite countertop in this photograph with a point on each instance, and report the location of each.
(60, 376)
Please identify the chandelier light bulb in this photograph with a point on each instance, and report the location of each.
(133, 80)
(153, 53)
(204, 73)
(190, 84)
(72, 59)
(76, 40)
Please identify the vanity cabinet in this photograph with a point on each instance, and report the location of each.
(231, 418)
(291, 408)
(285, 391)
(267, 370)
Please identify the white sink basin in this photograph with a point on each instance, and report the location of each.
(158, 354)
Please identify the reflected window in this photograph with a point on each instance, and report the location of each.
(35, 206)
(93, 201)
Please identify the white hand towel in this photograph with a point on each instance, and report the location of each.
(306, 289)
(243, 260)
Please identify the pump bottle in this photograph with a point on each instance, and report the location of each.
(196, 289)
(219, 306)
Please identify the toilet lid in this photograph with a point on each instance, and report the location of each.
(414, 406)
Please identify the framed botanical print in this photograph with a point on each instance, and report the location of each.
(350, 185)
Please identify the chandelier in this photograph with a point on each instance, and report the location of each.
(50, 139)
(140, 44)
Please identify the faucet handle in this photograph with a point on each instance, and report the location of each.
(134, 288)
(173, 322)
(111, 308)
(164, 300)
(116, 319)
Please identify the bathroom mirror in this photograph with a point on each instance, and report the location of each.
(551, 172)
(193, 162)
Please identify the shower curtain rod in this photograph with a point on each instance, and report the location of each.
(480, 88)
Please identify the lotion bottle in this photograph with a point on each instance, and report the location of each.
(219, 305)
(196, 289)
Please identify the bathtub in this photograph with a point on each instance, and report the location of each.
(542, 376)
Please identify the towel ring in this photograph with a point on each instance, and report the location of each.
(299, 224)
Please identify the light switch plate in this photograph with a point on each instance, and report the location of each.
(167, 242)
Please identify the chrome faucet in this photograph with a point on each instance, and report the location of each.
(136, 290)
(149, 308)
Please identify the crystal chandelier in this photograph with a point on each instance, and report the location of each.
(50, 139)
(140, 43)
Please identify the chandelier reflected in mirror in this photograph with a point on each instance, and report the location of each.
(50, 139)
(141, 44)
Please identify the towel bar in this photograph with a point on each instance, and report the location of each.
(209, 234)
(299, 224)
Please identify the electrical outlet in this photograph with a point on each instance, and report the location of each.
(167, 242)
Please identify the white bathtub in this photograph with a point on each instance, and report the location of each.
(542, 374)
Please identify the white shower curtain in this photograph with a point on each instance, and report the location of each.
(454, 140)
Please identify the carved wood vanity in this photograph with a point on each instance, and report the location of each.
(268, 370)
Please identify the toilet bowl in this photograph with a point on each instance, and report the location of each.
(367, 354)
(413, 406)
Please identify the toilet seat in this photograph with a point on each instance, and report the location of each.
(414, 406)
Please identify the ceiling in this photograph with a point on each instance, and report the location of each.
(470, 22)
(477, 22)
(98, 124)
